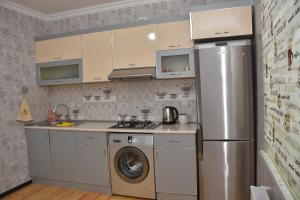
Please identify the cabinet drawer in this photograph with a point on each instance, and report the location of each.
(176, 141)
(91, 138)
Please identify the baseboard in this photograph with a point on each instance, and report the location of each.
(15, 189)
(74, 185)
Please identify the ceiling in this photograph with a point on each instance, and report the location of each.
(49, 7)
(59, 9)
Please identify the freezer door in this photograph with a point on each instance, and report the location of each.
(226, 170)
(224, 86)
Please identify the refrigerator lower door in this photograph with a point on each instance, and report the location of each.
(226, 170)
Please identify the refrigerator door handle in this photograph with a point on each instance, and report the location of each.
(199, 143)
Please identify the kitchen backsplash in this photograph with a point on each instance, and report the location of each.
(126, 97)
(281, 64)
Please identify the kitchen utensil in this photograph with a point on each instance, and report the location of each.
(123, 116)
(183, 119)
(97, 98)
(133, 118)
(107, 92)
(186, 90)
(170, 115)
(161, 94)
(87, 97)
(145, 110)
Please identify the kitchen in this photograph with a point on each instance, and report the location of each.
(127, 82)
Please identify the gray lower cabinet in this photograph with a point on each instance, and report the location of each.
(63, 154)
(175, 166)
(75, 157)
(92, 158)
(38, 146)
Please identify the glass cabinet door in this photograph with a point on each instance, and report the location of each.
(60, 72)
(177, 63)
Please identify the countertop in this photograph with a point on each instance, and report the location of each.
(104, 126)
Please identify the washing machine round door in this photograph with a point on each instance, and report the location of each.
(131, 164)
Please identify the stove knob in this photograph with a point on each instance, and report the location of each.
(130, 139)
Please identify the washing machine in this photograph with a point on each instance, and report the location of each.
(132, 165)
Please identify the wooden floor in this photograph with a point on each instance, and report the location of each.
(43, 192)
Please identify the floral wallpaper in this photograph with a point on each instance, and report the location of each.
(281, 64)
(17, 69)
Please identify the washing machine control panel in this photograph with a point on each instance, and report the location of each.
(116, 141)
(131, 139)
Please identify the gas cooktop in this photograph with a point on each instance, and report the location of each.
(136, 124)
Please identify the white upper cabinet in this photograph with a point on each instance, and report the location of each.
(134, 47)
(97, 56)
(227, 22)
(173, 35)
(65, 48)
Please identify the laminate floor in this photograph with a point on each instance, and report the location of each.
(45, 192)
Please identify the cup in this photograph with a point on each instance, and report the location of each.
(183, 119)
(97, 98)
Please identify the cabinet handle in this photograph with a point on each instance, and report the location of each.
(104, 151)
(97, 79)
(174, 46)
(218, 33)
(175, 74)
(57, 58)
(132, 64)
(156, 154)
(89, 137)
(174, 141)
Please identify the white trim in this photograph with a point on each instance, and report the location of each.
(101, 8)
(77, 12)
(22, 9)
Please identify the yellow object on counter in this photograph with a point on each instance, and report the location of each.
(65, 124)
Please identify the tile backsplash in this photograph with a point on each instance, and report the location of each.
(127, 97)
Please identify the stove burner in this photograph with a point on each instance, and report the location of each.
(132, 124)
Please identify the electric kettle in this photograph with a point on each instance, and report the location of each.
(170, 115)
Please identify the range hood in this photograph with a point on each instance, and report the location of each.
(132, 74)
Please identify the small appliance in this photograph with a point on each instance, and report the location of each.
(170, 115)
(183, 119)
(132, 164)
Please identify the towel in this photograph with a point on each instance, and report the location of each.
(24, 113)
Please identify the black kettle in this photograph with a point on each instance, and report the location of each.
(170, 115)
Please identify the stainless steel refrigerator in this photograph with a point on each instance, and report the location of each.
(225, 116)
